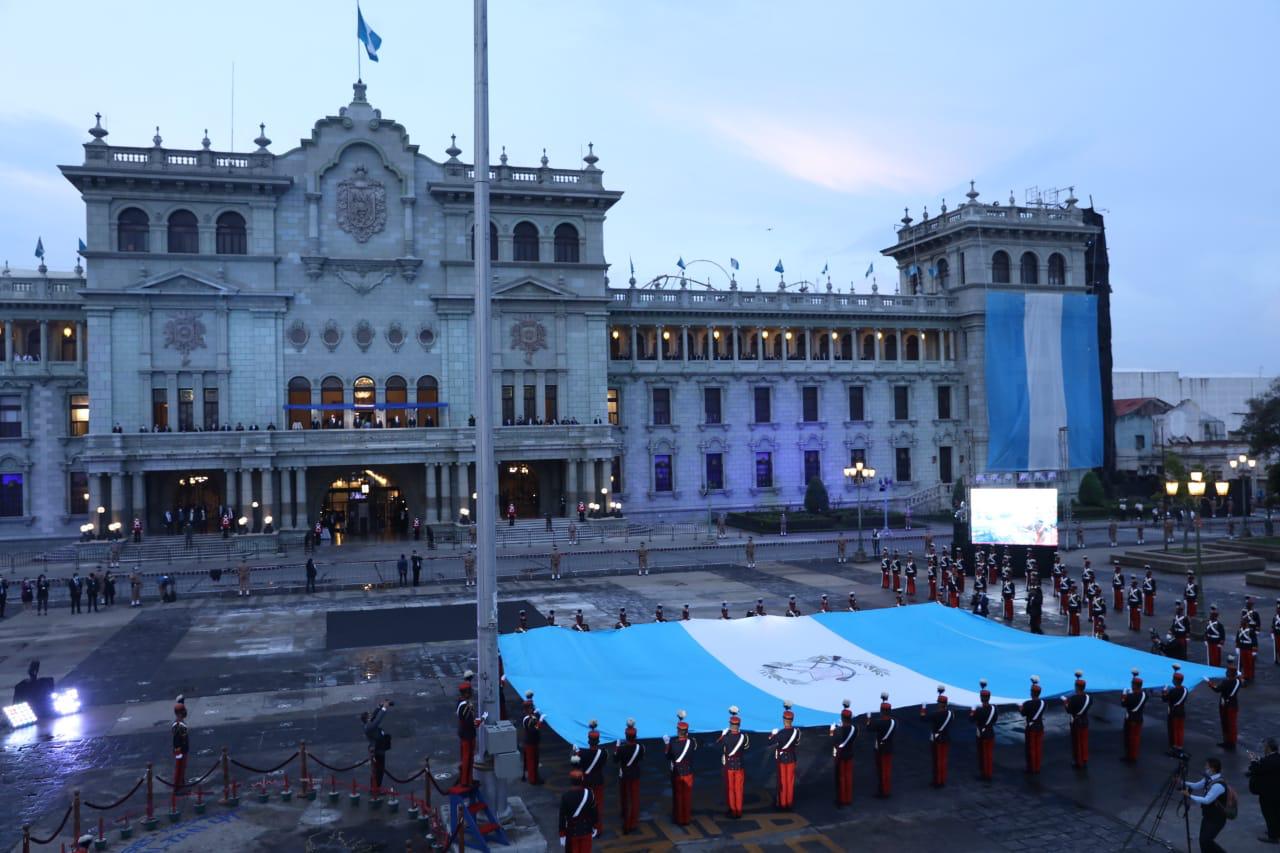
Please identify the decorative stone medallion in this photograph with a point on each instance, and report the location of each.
(395, 336)
(363, 335)
(297, 335)
(426, 337)
(362, 205)
(332, 335)
(184, 331)
(528, 336)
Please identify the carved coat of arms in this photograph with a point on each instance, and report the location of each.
(528, 335)
(184, 331)
(362, 205)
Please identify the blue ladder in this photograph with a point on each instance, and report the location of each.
(477, 833)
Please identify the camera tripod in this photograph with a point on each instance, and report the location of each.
(1170, 790)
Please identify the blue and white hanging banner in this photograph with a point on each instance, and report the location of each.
(648, 672)
(1042, 375)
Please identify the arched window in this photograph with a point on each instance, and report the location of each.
(332, 393)
(868, 347)
(1029, 268)
(524, 243)
(184, 233)
(493, 242)
(397, 395)
(1057, 270)
(1000, 267)
(891, 347)
(912, 348)
(428, 392)
(364, 396)
(133, 231)
(566, 244)
(231, 238)
(299, 395)
(944, 273)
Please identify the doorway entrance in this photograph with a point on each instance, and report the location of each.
(518, 484)
(364, 503)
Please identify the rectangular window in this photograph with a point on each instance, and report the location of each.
(857, 403)
(715, 471)
(508, 405)
(858, 454)
(10, 495)
(10, 416)
(530, 402)
(661, 406)
(159, 408)
(809, 404)
(552, 408)
(944, 465)
(711, 406)
(812, 465)
(211, 408)
(901, 409)
(78, 493)
(902, 464)
(944, 402)
(79, 414)
(186, 409)
(662, 472)
(763, 404)
(764, 470)
(962, 277)
(615, 475)
(611, 405)
(1139, 442)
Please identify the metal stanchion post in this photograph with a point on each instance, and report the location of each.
(150, 821)
(75, 814)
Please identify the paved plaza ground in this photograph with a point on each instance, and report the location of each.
(263, 673)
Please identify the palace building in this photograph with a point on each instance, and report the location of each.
(289, 335)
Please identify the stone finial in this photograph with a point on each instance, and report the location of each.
(972, 194)
(262, 141)
(42, 269)
(1013, 202)
(156, 140)
(591, 159)
(1072, 201)
(733, 283)
(503, 158)
(453, 150)
(924, 217)
(358, 89)
(906, 217)
(944, 207)
(205, 143)
(79, 269)
(98, 132)
(5, 272)
(544, 160)
(631, 282)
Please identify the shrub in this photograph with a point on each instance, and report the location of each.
(815, 498)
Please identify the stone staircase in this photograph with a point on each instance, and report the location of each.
(209, 546)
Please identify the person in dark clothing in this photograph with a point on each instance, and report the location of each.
(42, 595)
(91, 590)
(1035, 609)
(415, 560)
(379, 743)
(1264, 781)
(1210, 793)
(4, 595)
(431, 539)
(108, 588)
(75, 588)
(311, 575)
(402, 571)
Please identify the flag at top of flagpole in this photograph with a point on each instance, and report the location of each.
(871, 267)
(371, 40)
(83, 248)
(778, 268)
(733, 262)
(40, 248)
(680, 263)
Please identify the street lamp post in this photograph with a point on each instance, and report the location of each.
(860, 475)
(1244, 466)
(1195, 489)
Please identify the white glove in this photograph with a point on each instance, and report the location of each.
(773, 733)
(575, 750)
(723, 732)
(484, 716)
(833, 728)
(562, 841)
(617, 743)
(666, 739)
(593, 833)
(544, 718)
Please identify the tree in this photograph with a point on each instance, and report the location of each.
(957, 493)
(1261, 424)
(1091, 493)
(815, 497)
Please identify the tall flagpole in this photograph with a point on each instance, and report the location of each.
(488, 686)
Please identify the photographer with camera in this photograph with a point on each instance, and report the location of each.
(1217, 804)
(379, 743)
(1264, 781)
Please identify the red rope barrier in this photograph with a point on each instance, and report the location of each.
(66, 817)
(279, 766)
(121, 801)
(338, 769)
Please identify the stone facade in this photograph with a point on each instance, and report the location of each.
(243, 314)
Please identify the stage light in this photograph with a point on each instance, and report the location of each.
(19, 715)
(66, 702)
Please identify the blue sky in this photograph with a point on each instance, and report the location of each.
(751, 130)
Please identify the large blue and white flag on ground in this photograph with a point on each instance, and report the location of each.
(648, 672)
(1042, 375)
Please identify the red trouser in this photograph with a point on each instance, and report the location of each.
(179, 774)
(844, 781)
(897, 581)
(1149, 604)
(786, 785)
(578, 844)
(733, 780)
(629, 800)
(940, 750)
(991, 575)
(1191, 607)
(960, 581)
(1079, 745)
(1062, 602)
(1073, 625)
(884, 580)
(1214, 653)
(933, 589)
(597, 791)
(1174, 727)
(911, 586)
(1119, 600)
(1227, 714)
(1034, 749)
(1008, 610)
(1135, 619)
(1275, 647)
(986, 757)
(1247, 658)
(1132, 739)
(681, 799)
(953, 599)
(466, 758)
(531, 763)
(884, 774)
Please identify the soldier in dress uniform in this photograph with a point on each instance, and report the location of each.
(679, 754)
(531, 723)
(883, 729)
(1247, 650)
(1117, 588)
(467, 725)
(579, 812)
(623, 621)
(1073, 610)
(931, 572)
(417, 527)
(1035, 609)
(939, 736)
(958, 573)
(469, 567)
(824, 606)
(1255, 618)
(1191, 594)
(843, 733)
(137, 529)
(954, 580)
(592, 761)
(734, 744)
(1214, 634)
(978, 602)
(1149, 594)
(724, 610)
(1275, 635)
(785, 741)
(1077, 706)
(884, 573)
(793, 609)
(642, 559)
(1133, 700)
(523, 625)
(984, 721)
(896, 567)
(1176, 698)
(555, 558)
(1134, 601)
(910, 572)
(658, 615)
(1097, 612)
(853, 602)
(1007, 593)
(1180, 631)
(1056, 575)
(579, 623)
(181, 744)
(627, 755)
(1064, 593)
(760, 607)
(551, 618)
(1228, 690)
(684, 614)
(1033, 712)
(842, 546)
(749, 550)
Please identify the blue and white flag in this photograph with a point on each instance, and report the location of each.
(778, 268)
(83, 248)
(371, 40)
(871, 267)
(633, 265)
(913, 270)
(733, 262)
(40, 248)
(680, 263)
(933, 272)
(648, 671)
(1042, 375)
(824, 268)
